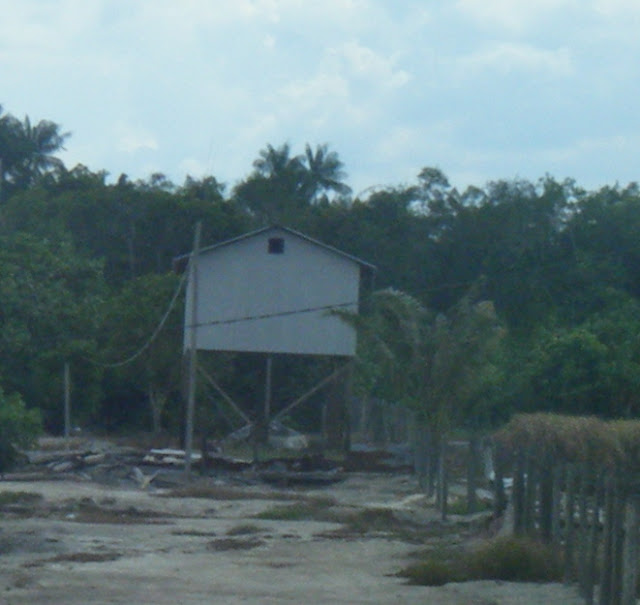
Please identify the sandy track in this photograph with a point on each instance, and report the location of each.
(189, 550)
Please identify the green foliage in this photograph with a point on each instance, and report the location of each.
(8, 498)
(48, 302)
(27, 152)
(513, 559)
(434, 571)
(444, 368)
(83, 277)
(19, 427)
(574, 439)
(144, 370)
(306, 510)
(589, 368)
(282, 187)
(516, 559)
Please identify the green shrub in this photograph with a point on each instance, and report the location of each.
(516, 559)
(512, 559)
(19, 428)
(243, 530)
(10, 498)
(301, 511)
(433, 571)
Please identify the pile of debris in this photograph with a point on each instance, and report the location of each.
(112, 464)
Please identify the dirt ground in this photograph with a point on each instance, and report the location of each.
(73, 542)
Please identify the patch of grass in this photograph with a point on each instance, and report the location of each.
(459, 506)
(88, 511)
(76, 557)
(224, 492)
(22, 498)
(300, 511)
(378, 521)
(305, 509)
(517, 559)
(434, 571)
(194, 533)
(223, 544)
(87, 557)
(512, 559)
(243, 530)
(372, 520)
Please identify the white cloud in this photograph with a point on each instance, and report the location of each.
(363, 62)
(507, 58)
(478, 87)
(305, 94)
(512, 15)
(603, 146)
(626, 8)
(194, 167)
(396, 143)
(131, 139)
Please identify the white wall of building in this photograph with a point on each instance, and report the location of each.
(251, 300)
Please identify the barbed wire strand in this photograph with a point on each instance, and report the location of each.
(217, 322)
(153, 336)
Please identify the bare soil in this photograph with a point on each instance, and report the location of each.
(73, 542)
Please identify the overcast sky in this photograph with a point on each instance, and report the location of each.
(482, 89)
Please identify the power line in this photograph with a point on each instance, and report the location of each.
(270, 315)
(153, 336)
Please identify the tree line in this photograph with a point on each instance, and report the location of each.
(510, 296)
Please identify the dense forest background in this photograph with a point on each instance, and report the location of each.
(509, 296)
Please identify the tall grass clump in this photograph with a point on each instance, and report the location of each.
(516, 559)
(558, 437)
(510, 559)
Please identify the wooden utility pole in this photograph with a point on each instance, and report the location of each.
(192, 352)
(67, 403)
(267, 395)
(260, 432)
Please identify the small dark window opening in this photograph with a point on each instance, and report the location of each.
(276, 245)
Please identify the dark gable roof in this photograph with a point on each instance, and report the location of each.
(180, 262)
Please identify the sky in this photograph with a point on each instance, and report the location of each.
(484, 90)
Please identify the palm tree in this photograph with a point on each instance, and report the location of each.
(278, 164)
(273, 193)
(12, 147)
(324, 172)
(40, 143)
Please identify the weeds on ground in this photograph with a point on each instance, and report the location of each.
(243, 530)
(193, 533)
(371, 520)
(460, 506)
(512, 559)
(223, 544)
(13, 498)
(313, 509)
(77, 557)
(224, 492)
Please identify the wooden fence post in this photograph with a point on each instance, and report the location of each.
(556, 526)
(606, 575)
(421, 454)
(500, 500)
(529, 496)
(546, 501)
(518, 495)
(583, 529)
(443, 479)
(618, 541)
(569, 525)
(594, 532)
(630, 553)
(472, 472)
